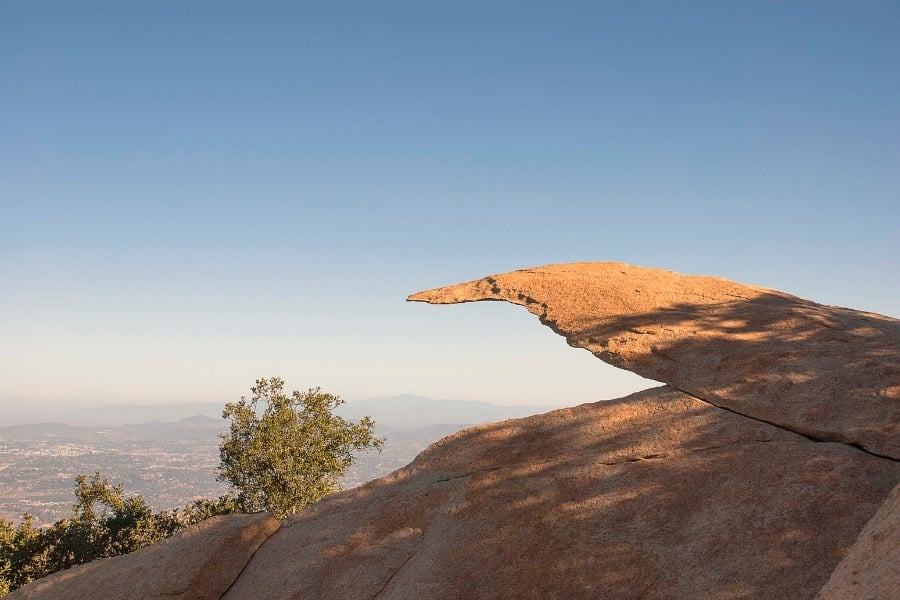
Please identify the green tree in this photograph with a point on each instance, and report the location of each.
(125, 523)
(284, 452)
(202, 509)
(22, 556)
(104, 522)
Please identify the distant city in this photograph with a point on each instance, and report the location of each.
(171, 460)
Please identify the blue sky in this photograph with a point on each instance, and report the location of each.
(198, 194)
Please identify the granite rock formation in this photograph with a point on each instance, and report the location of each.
(832, 374)
(763, 468)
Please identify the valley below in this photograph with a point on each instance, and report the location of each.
(173, 463)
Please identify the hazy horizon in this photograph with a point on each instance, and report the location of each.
(412, 410)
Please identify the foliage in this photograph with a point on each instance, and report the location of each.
(202, 509)
(285, 452)
(21, 558)
(104, 523)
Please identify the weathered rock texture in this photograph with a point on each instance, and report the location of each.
(872, 568)
(662, 494)
(825, 372)
(200, 562)
(658, 495)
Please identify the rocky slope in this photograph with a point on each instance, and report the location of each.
(760, 470)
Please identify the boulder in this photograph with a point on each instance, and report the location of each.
(197, 563)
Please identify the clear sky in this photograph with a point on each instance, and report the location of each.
(197, 194)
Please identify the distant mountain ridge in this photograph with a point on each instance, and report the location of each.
(400, 412)
(196, 425)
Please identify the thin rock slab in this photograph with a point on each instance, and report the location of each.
(657, 495)
(829, 373)
(198, 563)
